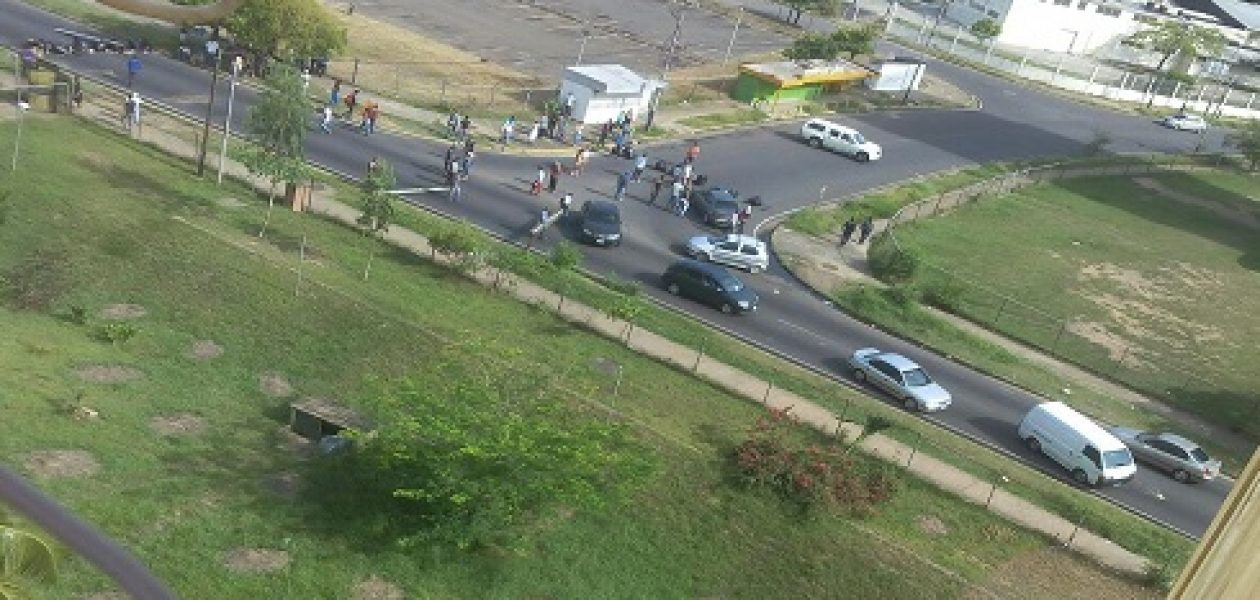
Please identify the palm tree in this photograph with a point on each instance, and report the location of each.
(171, 13)
(25, 557)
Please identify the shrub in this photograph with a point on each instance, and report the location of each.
(565, 256)
(943, 293)
(116, 333)
(77, 314)
(623, 286)
(902, 295)
(889, 263)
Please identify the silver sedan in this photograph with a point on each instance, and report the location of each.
(1169, 452)
(901, 377)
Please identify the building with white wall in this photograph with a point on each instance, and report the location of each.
(604, 92)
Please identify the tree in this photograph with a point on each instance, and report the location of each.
(286, 28)
(856, 40)
(1247, 141)
(25, 557)
(378, 206)
(461, 242)
(469, 456)
(986, 30)
(1170, 38)
(627, 306)
(279, 122)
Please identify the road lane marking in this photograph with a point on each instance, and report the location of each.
(806, 331)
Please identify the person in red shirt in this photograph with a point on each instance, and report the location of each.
(692, 153)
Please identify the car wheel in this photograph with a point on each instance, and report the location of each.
(910, 404)
(862, 157)
(859, 375)
(815, 142)
(1033, 444)
(1080, 477)
(673, 289)
(726, 308)
(1181, 476)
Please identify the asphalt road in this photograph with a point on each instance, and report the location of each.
(1015, 123)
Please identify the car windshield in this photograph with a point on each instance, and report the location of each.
(916, 378)
(1199, 455)
(729, 283)
(607, 217)
(858, 139)
(1117, 458)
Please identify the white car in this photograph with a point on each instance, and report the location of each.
(821, 133)
(901, 377)
(740, 251)
(1185, 122)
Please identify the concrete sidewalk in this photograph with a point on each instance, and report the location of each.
(932, 470)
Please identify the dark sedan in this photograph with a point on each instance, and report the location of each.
(717, 206)
(600, 223)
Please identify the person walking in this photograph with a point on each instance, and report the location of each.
(692, 153)
(676, 195)
(566, 202)
(350, 101)
(456, 192)
(640, 165)
(579, 161)
(452, 123)
(745, 215)
(604, 131)
(133, 69)
(536, 187)
(555, 177)
(326, 119)
(619, 143)
(506, 131)
(450, 156)
(466, 163)
(465, 128)
(865, 230)
(846, 231)
(623, 181)
(533, 132)
(133, 111)
(657, 184)
(334, 96)
(577, 135)
(683, 205)
(371, 110)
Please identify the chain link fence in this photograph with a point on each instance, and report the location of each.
(1208, 389)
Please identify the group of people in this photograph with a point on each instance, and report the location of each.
(458, 167)
(369, 111)
(864, 230)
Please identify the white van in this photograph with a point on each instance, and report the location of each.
(821, 133)
(1091, 454)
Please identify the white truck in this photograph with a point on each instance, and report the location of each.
(1090, 453)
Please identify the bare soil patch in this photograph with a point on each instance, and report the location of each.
(229, 202)
(1054, 573)
(123, 312)
(375, 588)
(931, 525)
(178, 425)
(285, 485)
(108, 373)
(205, 350)
(275, 385)
(50, 464)
(255, 560)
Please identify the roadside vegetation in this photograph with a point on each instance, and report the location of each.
(171, 433)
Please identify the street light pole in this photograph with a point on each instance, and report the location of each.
(205, 133)
(730, 45)
(17, 141)
(582, 47)
(227, 121)
(939, 15)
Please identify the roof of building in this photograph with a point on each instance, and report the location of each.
(612, 80)
(804, 72)
(1231, 13)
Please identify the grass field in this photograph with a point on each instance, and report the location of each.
(1159, 275)
(189, 466)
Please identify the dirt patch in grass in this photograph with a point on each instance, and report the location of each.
(931, 525)
(1229, 213)
(255, 560)
(205, 350)
(123, 312)
(51, 464)
(1052, 572)
(108, 373)
(285, 485)
(375, 588)
(178, 425)
(229, 202)
(275, 385)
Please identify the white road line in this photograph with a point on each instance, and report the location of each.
(409, 191)
(822, 340)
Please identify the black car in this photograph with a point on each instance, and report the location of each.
(600, 223)
(710, 284)
(717, 206)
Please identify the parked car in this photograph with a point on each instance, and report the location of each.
(741, 251)
(1184, 122)
(821, 133)
(901, 377)
(1090, 453)
(600, 223)
(710, 284)
(717, 206)
(1169, 452)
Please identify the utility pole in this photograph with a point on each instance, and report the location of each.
(939, 15)
(739, 17)
(205, 133)
(677, 8)
(227, 120)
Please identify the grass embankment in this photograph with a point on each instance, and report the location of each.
(1148, 280)
(104, 221)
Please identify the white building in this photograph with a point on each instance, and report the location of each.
(605, 92)
(1082, 26)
